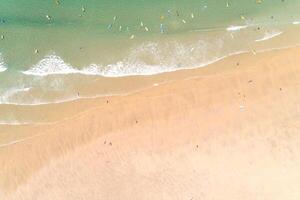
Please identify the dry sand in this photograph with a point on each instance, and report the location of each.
(230, 132)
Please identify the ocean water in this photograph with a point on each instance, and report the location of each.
(50, 49)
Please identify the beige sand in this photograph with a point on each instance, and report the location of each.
(231, 132)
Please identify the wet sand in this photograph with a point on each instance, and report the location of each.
(227, 131)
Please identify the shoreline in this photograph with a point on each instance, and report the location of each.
(145, 82)
(119, 85)
(146, 76)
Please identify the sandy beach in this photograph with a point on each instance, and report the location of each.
(226, 131)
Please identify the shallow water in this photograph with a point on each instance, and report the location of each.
(85, 32)
(49, 49)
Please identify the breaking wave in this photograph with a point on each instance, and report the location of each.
(236, 28)
(2, 66)
(55, 65)
(296, 22)
(147, 59)
(269, 35)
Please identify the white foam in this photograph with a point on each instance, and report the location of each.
(9, 94)
(57, 66)
(296, 22)
(2, 66)
(22, 123)
(54, 65)
(269, 35)
(8, 97)
(163, 58)
(47, 67)
(51, 64)
(236, 28)
(14, 123)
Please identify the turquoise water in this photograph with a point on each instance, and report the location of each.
(92, 25)
(48, 48)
